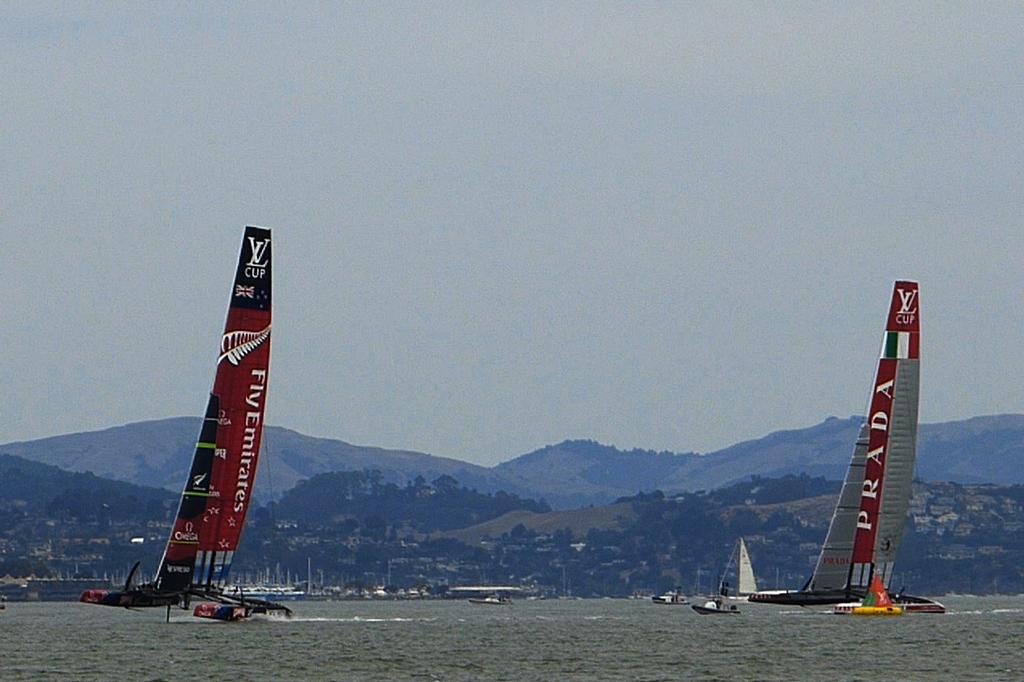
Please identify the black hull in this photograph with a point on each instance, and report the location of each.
(132, 599)
(144, 597)
(909, 602)
(228, 609)
(803, 598)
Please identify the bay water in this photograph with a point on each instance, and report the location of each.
(597, 639)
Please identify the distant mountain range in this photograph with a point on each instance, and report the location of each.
(158, 453)
(567, 475)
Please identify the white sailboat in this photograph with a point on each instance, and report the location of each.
(746, 584)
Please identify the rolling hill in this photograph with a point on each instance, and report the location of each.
(567, 475)
(157, 453)
(42, 489)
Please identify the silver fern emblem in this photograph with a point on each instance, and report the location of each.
(236, 345)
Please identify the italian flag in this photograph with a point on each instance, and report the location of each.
(900, 346)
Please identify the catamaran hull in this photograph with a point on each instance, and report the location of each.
(843, 601)
(800, 598)
(225, 612)
(226, 608)
(909, 603)
(223, 609)
(920, 605)
(130, 600)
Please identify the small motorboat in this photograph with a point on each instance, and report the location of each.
(492, 600)
(714, 607)
(674, 598)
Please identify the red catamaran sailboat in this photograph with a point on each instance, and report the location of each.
(868, 522)
(219, 486)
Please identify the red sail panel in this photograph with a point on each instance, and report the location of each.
(241, 386)
(879, 419)
(903, 315)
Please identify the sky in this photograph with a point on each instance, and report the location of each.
(668, 226)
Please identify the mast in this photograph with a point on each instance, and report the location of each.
(723, 580)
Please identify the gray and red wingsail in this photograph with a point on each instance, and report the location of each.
(219, 489)
(892, 442)
(870, 514)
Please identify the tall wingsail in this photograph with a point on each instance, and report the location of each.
(892, 442)
(219, 486)
(241, 386)
(870, 516)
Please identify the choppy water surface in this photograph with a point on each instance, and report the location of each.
(530, 640)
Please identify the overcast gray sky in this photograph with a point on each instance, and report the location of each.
(499, 225)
